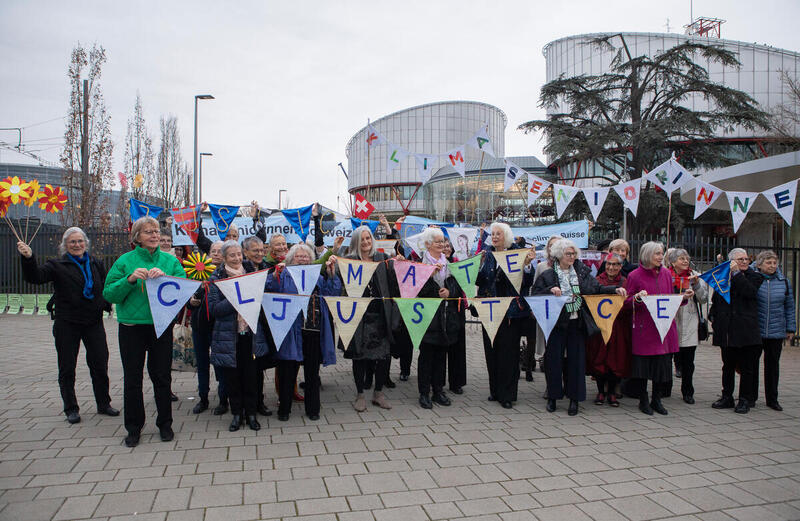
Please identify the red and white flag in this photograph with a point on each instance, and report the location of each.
(363, 207)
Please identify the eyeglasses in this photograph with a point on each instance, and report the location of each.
(742, 259)
(150, 232)
(76, 242)
(570, 254)
(613, 264)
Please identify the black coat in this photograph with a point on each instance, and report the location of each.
(736, 324)
(67, 279)
(449, 318)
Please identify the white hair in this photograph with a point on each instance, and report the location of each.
(507, 233)
(647, 251)
(736, 251)
(431, 234)
(289, 260)
(62, 248)
(560, 247)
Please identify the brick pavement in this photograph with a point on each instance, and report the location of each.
(473, 460)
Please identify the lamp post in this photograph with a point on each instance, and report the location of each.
(200, 176)
(194, 157)
(280, 192)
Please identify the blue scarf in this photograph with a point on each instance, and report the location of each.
(86, 268)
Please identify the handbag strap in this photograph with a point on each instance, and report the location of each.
(699, 309)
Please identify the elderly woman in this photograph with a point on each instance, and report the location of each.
(652, 358)
(125, 288)
(78, 306)
(502, 357)
(737, 333)
(623, 250)
(688, 317)
(443, 331)
(776, 318)
(310, 339)
(567, 342)
(530, 358)
(457, 352)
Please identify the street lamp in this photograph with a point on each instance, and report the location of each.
(279, 197)
(194, 157)
(200, 175)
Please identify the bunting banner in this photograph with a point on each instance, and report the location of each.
(563, 195)
(426, 166)
(223, 216)
(245, 294)
(705, 195)
(300, 219)
(604, 309)
(416, 243)
(536, 187)
(417, 314)
(167, 296)
(596, 198)
(411, 276)
(466, 272)
(186, 218)
(740, 203)
(546, 309)
(396, 154)
(304, 277)
(669, 176)
(491, 312)
(663, 309)
(356, 274)
(782, 198)
(347, 313)
(374, 138)
(512, 175)
(511, 262)
(463, 241)
(481, 141)
(457, 159)
(719, 279)
(141, 209)
(281, 311)
(372, 225)
(629, 192)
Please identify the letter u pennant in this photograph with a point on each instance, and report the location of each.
(167, 296)
(245, 294)
(491, 312)
(347, 313)
(604, 309)
(417, 313)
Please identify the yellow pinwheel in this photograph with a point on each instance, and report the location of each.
(14, 189)
(198, 266)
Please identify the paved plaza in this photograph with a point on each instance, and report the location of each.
(473, 460)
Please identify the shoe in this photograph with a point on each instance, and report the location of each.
(313, 417)
(173, 396)
(441, 399)
(528, 376)
(742, 407)
(573, 408)
(390, 384)
(235, 422)
(299, 397)
(657, 406)
(220, 409)
(491, 398)
(379, 399)
(775, 406)
(263, 410)
(360, 404)
(403, 377)
(600, 399)
(74, 417)
(252, 422)
(201, 406)
(457, 390)
(726, 402)
(283, 417)
(506, 405)
(551, 405)
(132, 439)
(688, 399)
(612, 400)
(108, 411)
(166, 433)
(425, 401)
(644, 406)
(678, 373)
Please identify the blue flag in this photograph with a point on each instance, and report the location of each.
(141, 209)
(372, 225)
(223, 216)
(299, 218)
(719, 278)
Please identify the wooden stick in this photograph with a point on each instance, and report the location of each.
(11, 225)
(37, 231)
(525, 201)
(669, 214)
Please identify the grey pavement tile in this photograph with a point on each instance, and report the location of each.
(77, 508)
(125, 503)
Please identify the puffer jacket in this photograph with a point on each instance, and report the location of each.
(776, 315)
(687, 318)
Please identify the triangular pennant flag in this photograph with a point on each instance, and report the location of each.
(347, 313)
(417, 314)
(536, 187)
(563, 195)
(663, 309)
(186, 218)
(481, 141)
(782, 198)
(299, 218)
(679, 176)
(604, 309)
(457, 159)
(596, 198)
(669, 176)
(356, 222)
(512, 175)
(491, 312)
(466, 272)
(426, 166)
(740, 203)
(142, 209)
(304, 277)
(511, 262)
(705, 195)
(411, 276)
(416, 243)
(356, 274)
(394, 155)
(245, 294)
(374, 137)
(363, 208)
(719, 278)
(546, 309)
(167, 296)
(222, 216)
(281, 311)
(629, 193)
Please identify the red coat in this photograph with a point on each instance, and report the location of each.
(615, 356)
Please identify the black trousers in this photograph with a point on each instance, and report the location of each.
(502, 359)
(569, 341)
(638, 388)
(68, 336)
(685, 360)
(746, 359)
(287, 375)
(135, 343)
(457, 362)
(431, 368)
(772, 358)
(240, 381)
(607, 383)
(259, 385)
(378, 368)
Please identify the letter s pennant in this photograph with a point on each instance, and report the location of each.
(417, 314)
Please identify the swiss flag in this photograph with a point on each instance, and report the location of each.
(363, 207)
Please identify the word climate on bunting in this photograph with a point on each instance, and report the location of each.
(167, 296)
(356, 274)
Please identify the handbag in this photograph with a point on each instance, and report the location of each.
(183, 355)
(702, 323)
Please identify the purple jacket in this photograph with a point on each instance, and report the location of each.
(646, 340)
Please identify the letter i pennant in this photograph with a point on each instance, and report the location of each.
(417, 313)
(281, 311)
(491, 312)
(245, 294)
(546, 309)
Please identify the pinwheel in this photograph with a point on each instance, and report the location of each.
(52, 199)
(15, 189)
(198, 266)
(33, 193)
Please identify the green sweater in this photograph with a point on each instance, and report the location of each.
(133, 307)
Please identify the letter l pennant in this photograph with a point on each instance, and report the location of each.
(167, 296)
(245, 294)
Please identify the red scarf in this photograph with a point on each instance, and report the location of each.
(680, 283)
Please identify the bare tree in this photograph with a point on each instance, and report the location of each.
(172, 171)
(139, 157)
(786, 119)
(88, 149)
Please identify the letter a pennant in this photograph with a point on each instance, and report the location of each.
(511, 262)
(411, 276)
(417, 314)
(629, 193)
(604, 309)
(304, 277)
(457, 159)
(465, 272)
(356, 274)
(347, 314)
(782, 198)
(563, 195)
(546, 309)
(167, 296)
(663, 309)
(741, 203)
(491, 312)
(705, 195)
(281, 311)
(245, 294)
(481, 141)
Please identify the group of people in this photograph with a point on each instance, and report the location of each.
(759, 316)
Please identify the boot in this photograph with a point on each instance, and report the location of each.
(222, 408)
(379, 399)
(201, 406)
(528, 376)
(644, 406)
(657, 406)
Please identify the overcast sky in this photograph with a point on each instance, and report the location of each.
(294, 80)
